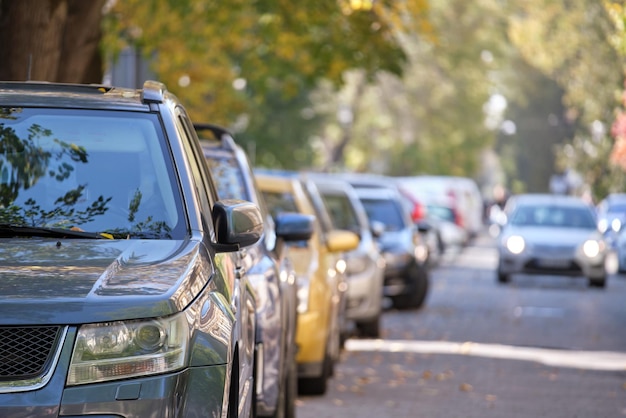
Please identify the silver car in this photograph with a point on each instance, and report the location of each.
(552, 235)
(365, 264)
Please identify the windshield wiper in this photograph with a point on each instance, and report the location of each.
(11, 230)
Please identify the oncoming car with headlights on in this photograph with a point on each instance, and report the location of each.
(552, 235)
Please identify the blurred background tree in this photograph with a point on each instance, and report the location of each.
(569, 44)
(391, 86)
(250, 65)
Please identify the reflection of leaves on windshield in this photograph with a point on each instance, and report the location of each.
(7, 113)
(23, 163)
(76, 153)
(63, 215)
(133, 206)
(148, 228)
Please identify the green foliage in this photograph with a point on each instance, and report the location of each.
(276, 46)
(431, 120)
(570, 43)
(415, 76)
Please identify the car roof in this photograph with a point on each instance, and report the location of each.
(88, 96)
(548, 199)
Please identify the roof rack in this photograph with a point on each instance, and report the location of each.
(153, 92)
(221, 133)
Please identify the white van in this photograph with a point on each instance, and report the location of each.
(462, 191)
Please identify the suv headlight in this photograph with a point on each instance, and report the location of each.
(119, 350)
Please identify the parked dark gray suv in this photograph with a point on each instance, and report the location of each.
(121, 285)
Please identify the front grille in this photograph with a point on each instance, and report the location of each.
(554, 250)
(26, 352)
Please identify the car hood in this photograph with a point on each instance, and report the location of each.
(46, 281)
(554, 236)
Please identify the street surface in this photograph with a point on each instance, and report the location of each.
(540, 346)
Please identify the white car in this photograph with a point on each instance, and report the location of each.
(462, 194)
(552, 235)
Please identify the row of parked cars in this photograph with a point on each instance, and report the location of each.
(149, 270)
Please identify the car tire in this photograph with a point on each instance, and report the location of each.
(319, 384)
(418, 292)
(233, 394)
(503, 277)
(599, 282)
(291, 390)
(369, 329)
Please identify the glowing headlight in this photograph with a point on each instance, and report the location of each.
(119, 350)
(591, 248)
(616, 225)
(603, 225)
(515, 244)
(341, 266)
(421, 253)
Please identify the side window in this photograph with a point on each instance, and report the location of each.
(204, 188)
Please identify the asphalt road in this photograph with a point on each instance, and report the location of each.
(539, 346)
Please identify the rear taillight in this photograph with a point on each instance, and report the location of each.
(419, 212)
(458, 218)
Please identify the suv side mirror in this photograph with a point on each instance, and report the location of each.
(292, 226)
(238, 223)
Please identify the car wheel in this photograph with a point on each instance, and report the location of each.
(370, 329)
(291, 390)
(319, 384)
(421, 288)
(233, 393)
(415, 299)
(597, 282)
(503, 278)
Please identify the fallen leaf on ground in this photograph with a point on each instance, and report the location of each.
(466, 387)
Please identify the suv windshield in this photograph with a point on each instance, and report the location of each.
(87, 170)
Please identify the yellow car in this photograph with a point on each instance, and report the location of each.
(320, 271)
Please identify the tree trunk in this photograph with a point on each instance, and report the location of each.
(81, 40)
(49, 40)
